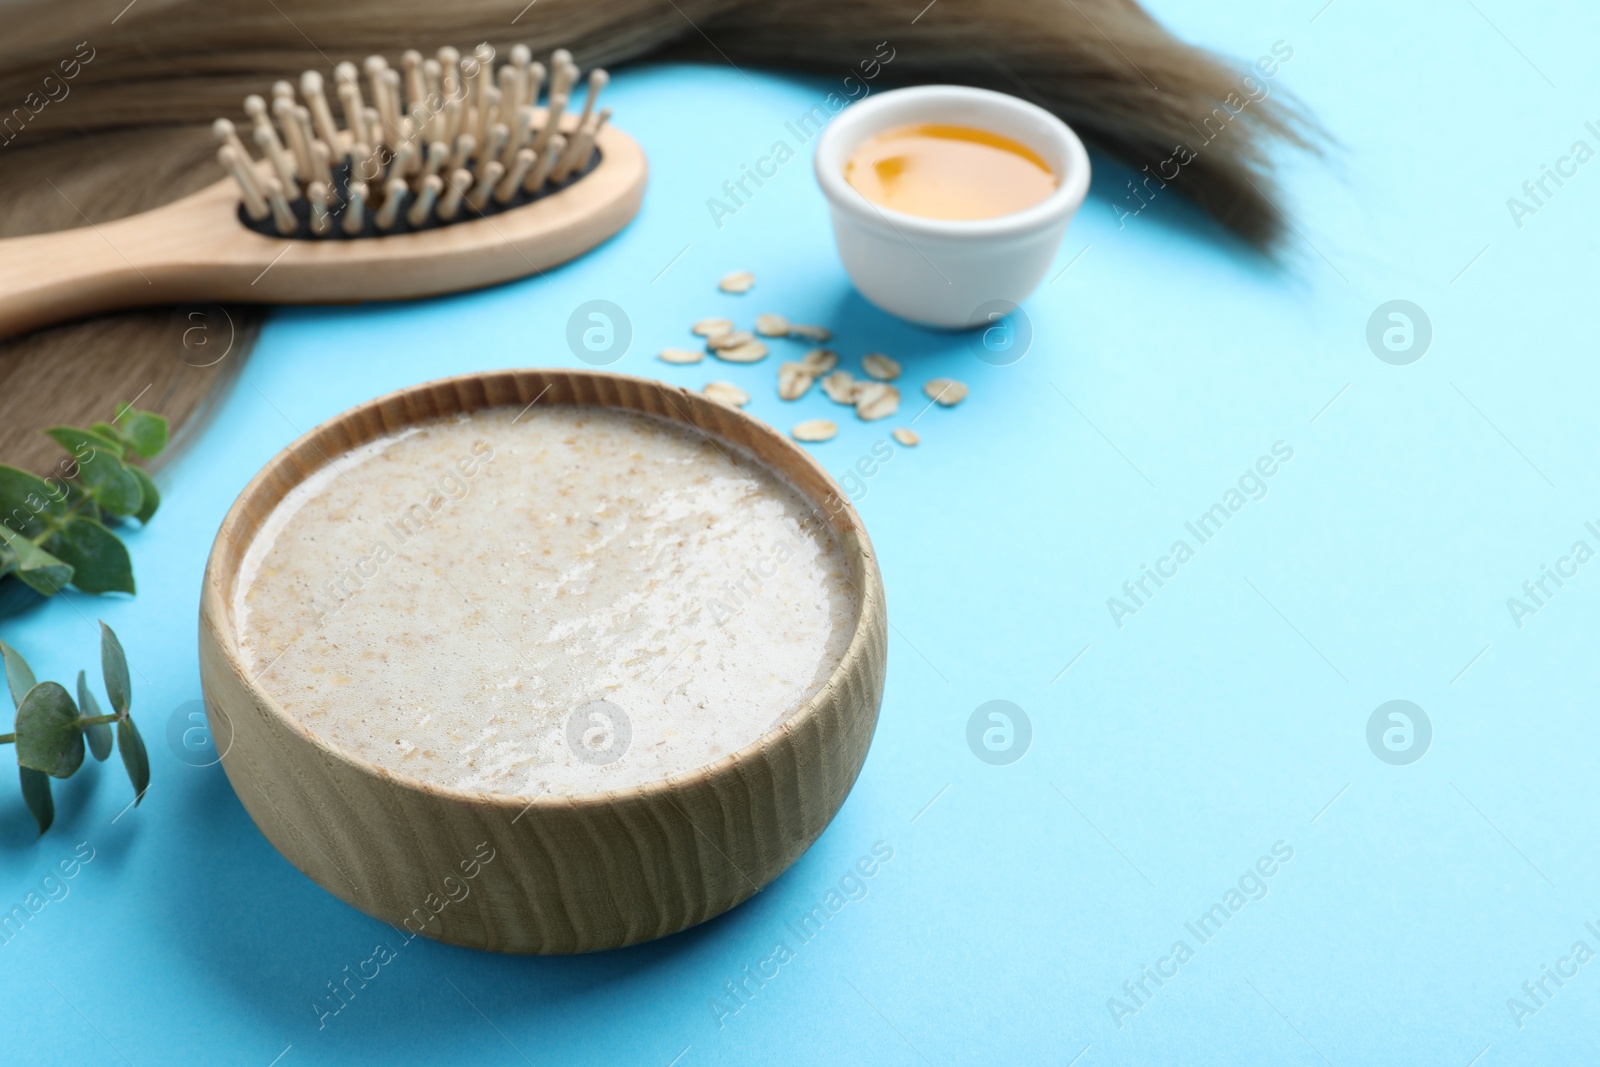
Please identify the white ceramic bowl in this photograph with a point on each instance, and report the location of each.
(943, 272)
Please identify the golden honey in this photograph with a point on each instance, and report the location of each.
(942, 171)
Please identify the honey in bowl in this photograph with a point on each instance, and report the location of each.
(942, 171)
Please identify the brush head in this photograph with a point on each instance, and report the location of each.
(438, 141)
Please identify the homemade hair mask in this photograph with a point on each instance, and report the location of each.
(562, 600)
(943, 171)
(542, 660)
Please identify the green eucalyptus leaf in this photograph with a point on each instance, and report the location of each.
(79, 502)
(27, 502)
(41, 571)
(134, 758)
(142, 431)
(97, 734)
(48, 736)
(150, 498)
(84, 443)
(36, 791)
(101, 470)
(99, 561)
(19, 676)
(114, 668)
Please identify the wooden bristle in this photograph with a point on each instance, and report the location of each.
(465, 146)
(488, 177)
(419, 140)
(521, 163)
(411, 64)
(283, 109)
(558, 104)
(267, 139)
(282, 217)
(317, 194)
(598, 80)
(420, 210)
(237, 162)
(394, 194)
(391, 98)
(535, 83)
(438, 156)
(355, 209)
(226, 134)
(542, 166)
(322, 163)
(449, 72)
(494, 148)
(577, 153)
(355, 118)
(321, 113)
(450, 203)
(362, 168)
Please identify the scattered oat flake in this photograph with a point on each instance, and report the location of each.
(712, 327)
(730, 339)
(946, 391)
(681, 355)
(879, 366)
(727, 393)
(820, 334)
(749, 352)
(815, 430)
(877, 400)
(794, 380)
(906, 436)
(770, 325)
(820, 360)
(738, 281)
(841, 387)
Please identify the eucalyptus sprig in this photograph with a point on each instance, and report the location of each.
(56, 531)
(51, 729)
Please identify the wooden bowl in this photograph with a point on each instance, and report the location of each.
(553, 874)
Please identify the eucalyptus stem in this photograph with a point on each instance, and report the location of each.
(8, 739)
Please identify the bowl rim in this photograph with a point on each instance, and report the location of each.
(844, 197)
(216, 599)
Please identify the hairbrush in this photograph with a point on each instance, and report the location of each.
(445, 174)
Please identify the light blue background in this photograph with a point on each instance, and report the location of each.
(1227, 715)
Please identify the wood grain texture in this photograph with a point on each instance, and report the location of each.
(195, 250)
(568, 874)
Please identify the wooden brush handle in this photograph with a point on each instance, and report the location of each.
(49, 278)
